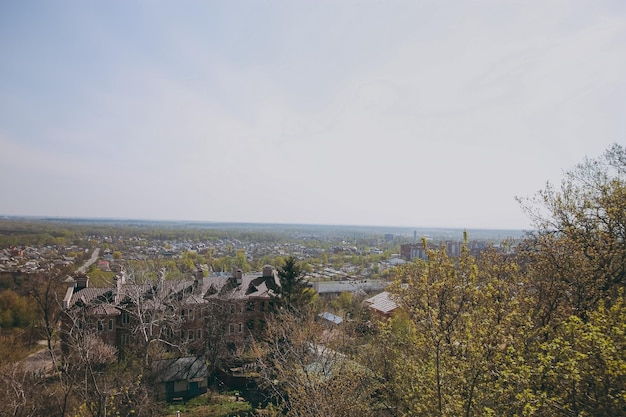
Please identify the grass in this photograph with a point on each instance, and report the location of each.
(212, 404)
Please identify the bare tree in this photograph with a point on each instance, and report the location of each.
(154, 311)
(16, 397)
(46, 289)
(308, 374)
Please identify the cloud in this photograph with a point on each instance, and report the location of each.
(403, 113)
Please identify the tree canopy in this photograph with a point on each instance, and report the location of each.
(295, 293)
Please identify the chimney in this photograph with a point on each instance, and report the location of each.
(238, 275)
(161, 283)
(82, 281)
(268, 271)
(118, 281)
(197, 279)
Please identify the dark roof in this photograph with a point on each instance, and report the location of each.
(89, 294)
(104, 310)
(103, 301)
(186, 368)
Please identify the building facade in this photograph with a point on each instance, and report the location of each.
(205, 315)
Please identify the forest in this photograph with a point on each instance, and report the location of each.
(535, 327)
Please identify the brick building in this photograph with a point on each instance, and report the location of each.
(203, 314)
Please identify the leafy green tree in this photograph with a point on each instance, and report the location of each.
(16, 310)
(583, 365)
(575, 265)
(581, 233)
(294, 293)
(453, 348)
(241, 261)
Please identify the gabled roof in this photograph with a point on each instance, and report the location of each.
(108, 300)
(87, 295)
(104, 309)
(252, 286)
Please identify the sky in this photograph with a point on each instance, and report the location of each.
(413, 113)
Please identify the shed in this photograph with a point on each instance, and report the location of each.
(181, 378)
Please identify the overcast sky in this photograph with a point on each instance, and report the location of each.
(408, 113)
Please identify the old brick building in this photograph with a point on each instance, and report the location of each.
(203, 315)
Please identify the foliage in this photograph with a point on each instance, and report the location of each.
(575, 265)
(99, 278)
(581, 232)
(539, 331)
(16, 311)
(445, 354)
(307, 373)
(583, 364)
(212, 405)
(295, 293)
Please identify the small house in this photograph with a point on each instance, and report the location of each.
(182, 378)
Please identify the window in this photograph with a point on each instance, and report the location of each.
(100, 325)
(191, 315)
(125, 318)
(250, 324)
(250, 306)
(232, 309)
(262, 305)
(125, 339)
(240, 327)
(199, 333)
(231, 328)
(110, 324)
(190, 335)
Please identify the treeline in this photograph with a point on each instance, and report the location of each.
(25, 232)
(33, 233)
